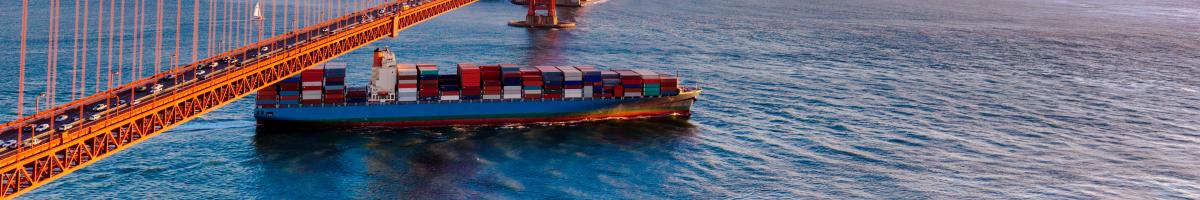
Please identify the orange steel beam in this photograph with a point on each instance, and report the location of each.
(75, 149)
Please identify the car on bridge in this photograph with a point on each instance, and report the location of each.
(60, 118)
(100, 107)
(32, 141)
(65, 127)
(95, 117)
(8, 144)
(41, 127)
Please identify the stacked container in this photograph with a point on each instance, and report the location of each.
(492, 85)
(612, 84)
(511, 75)
(311, 80)
(650, 82)
(428, 82)
(670, 85)
(593, 85)
(532, 83)
(406, 82)
(267, 97)
(572, 82)
(335, 83)
(356, 95)
(552, 82)
(631, 83)
(449, 86)
(471, 85)
(289, 91)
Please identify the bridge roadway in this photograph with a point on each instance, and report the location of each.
(83, 114)
(51, 125)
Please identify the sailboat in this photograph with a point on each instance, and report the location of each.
(257, 12)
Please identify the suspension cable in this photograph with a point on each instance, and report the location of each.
(84, 53)
(75, 52)
(195, 29)
(178, 28)
(21, 77)
(112, 17)
(121, 45)
(158, 32)
(99, 47)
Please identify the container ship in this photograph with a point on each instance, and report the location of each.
(400, 94)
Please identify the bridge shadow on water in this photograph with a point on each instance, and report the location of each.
(454, 162)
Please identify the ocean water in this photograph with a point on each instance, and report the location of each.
(850, 99)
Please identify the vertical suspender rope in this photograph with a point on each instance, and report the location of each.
(212, 24)
(51, 51)
(178, 28)
(21, 77)
(195, 29)
(99, 46)
(83, 54)
(158, 32)
(121, 45)
(273, 6)
(112, 18)
(138, 14)
(75, 53)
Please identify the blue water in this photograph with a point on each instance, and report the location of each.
(907, 99)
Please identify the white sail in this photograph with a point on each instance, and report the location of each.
(257, 11)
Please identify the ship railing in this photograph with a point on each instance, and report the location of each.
(457, 101)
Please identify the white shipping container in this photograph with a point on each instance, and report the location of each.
(633, 94)
(334, 65)
(575, 94)
(310, 83)
(512, 96)
(512, 87)
(492, 96)
(533, 92)
(310, 96)
(587, 92)
(413, 81)
(402, 98)
(403, 90)
(451, 97)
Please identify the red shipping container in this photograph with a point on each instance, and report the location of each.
(553, 96)
(335, 79)
(289, 97)
(334, 100)
(312, 88)
(492, 92)
(265, 98)
(310, 101)
(618, 91)
(532, 96)
(406, 85)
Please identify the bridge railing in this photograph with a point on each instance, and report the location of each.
(277, 43)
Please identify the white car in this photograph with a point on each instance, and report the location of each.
(94, 117)
(32, 141)
(61, 118)
(100, 107)
(9, 144)
(42, 127)
(65, 127)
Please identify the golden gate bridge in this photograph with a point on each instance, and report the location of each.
(118, 98)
